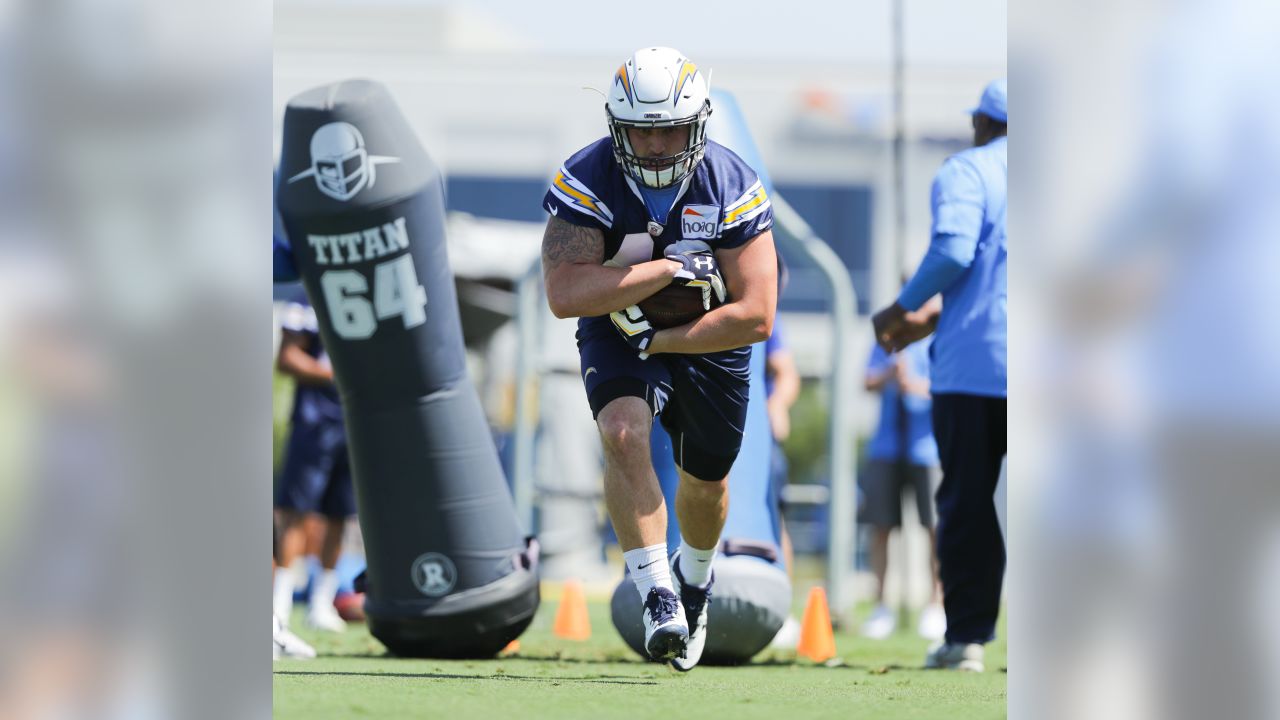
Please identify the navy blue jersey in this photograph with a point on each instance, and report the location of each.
(311, 403)
(722, 202)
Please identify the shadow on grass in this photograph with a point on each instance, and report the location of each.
(600, 679)
(620, 658)
(556, 657)
(872, 668)
(633, 660)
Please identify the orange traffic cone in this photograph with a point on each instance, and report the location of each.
(816, 639)
(571, 617)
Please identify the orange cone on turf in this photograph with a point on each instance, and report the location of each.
(817, 642)
(571, 617)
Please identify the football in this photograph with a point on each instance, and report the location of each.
(350, 606)
(673, 306)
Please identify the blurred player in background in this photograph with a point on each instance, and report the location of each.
(317, 475)
(901, 454)
(782, 388)
(284, 644)
(652, 204)
(966, 262)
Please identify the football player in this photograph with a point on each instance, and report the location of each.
(653, 203)
(316, 477)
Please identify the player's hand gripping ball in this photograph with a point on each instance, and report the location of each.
(696, 288)
(635, 328)
(700, 270)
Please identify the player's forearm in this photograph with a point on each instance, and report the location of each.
(786, 389)
(786, 379)
(303, 368)
(918, 387)
(318, 375)
(877, 378)
(727, 327)
(588, 290)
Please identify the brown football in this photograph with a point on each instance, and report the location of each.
(673, 306)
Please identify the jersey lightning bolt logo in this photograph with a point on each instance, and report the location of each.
(576, 196)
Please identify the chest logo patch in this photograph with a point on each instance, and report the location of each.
(699, 222)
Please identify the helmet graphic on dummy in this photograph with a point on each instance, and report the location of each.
(340, 163)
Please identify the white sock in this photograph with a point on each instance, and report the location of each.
(695, 564)
(324, 590)
(282, 595)
(649, 568)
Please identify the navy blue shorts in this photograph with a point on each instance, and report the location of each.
(700, 399)
(317, 473)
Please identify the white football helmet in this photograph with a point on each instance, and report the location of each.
(658, 87)
(340, 163)
(339, 160)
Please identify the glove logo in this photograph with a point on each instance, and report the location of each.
(433, 574)
(340, 163)
(700, 222)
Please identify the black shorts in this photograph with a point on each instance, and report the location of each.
(882, 484)
(700, 399)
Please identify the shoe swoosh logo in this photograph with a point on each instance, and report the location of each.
(584, 377)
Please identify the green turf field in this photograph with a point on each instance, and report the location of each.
(601, 678)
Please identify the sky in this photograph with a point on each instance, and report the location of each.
(857, 31)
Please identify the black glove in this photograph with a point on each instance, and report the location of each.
(699, 270)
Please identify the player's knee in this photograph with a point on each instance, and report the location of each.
(288, 518)
(623, 436)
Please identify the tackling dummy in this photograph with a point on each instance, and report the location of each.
(450, 574)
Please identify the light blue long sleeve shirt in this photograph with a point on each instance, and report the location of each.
(966, 262)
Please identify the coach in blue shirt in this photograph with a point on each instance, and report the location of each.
(966, 263)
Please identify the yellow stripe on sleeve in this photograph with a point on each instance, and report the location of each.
(732, 216)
